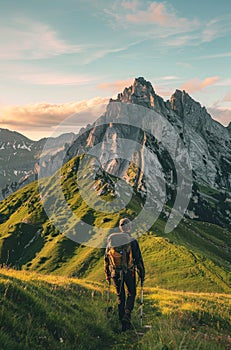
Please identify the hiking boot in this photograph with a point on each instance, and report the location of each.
(126, 326)
(127, 315)
(126, 321)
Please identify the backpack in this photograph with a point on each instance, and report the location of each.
(120, 252)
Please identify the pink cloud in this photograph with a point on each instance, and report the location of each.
(116, 86)
(198, 85)
(44, 116)
(222, 115)
(158, 13)
(227, 97)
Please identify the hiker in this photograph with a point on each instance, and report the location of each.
(122, 258)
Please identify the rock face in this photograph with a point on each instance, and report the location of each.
(19, 157)
(208, 143)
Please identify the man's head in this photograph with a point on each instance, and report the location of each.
(125, 225)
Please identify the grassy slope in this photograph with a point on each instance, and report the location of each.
(45, 312)
(53, 312)
(195, 256)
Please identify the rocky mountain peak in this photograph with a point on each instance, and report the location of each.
(143, 82)
(141, 92)
(182, 103)
(190, 111)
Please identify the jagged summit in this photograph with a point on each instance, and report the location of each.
(142, 81)
(182, 103)
(141, 92)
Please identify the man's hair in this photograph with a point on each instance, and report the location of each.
(124, 224)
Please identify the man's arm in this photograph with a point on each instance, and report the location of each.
(107, 265)
(138, 260)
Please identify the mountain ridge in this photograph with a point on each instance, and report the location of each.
(181, 110)
(208, 142)
(132, 89)
(19, 158)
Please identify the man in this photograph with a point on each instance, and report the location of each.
(122, 277)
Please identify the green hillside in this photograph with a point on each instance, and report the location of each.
(194, 257)
(58, 299)
(53, 312)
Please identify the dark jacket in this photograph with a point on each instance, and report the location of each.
(137, 259)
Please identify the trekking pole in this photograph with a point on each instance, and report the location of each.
(141, 303)
(108, 291)
(109, 308)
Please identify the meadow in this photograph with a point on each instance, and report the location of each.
(40, 311)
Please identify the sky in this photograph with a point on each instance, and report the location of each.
(61, 57)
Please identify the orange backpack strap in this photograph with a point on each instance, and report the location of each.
(115, 258)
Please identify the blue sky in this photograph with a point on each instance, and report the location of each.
(56, 56)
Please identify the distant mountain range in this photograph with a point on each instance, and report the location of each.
(19, 158)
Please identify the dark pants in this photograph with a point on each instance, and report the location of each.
(120, 280)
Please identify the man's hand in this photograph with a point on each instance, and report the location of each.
(142, 280)
(141, 274)
(108, 279)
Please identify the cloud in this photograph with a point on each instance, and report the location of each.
(169, 77)
(45, 116)
(184, 65)
(161, 15)
(37, 75)
(160, 22)
(227, 97)
(217, 55)
(217, 27)
(222, 115)
(27, 39)
(198, 85)
(224, 82)
(116, 86)
(155, 19)
(102, 53)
